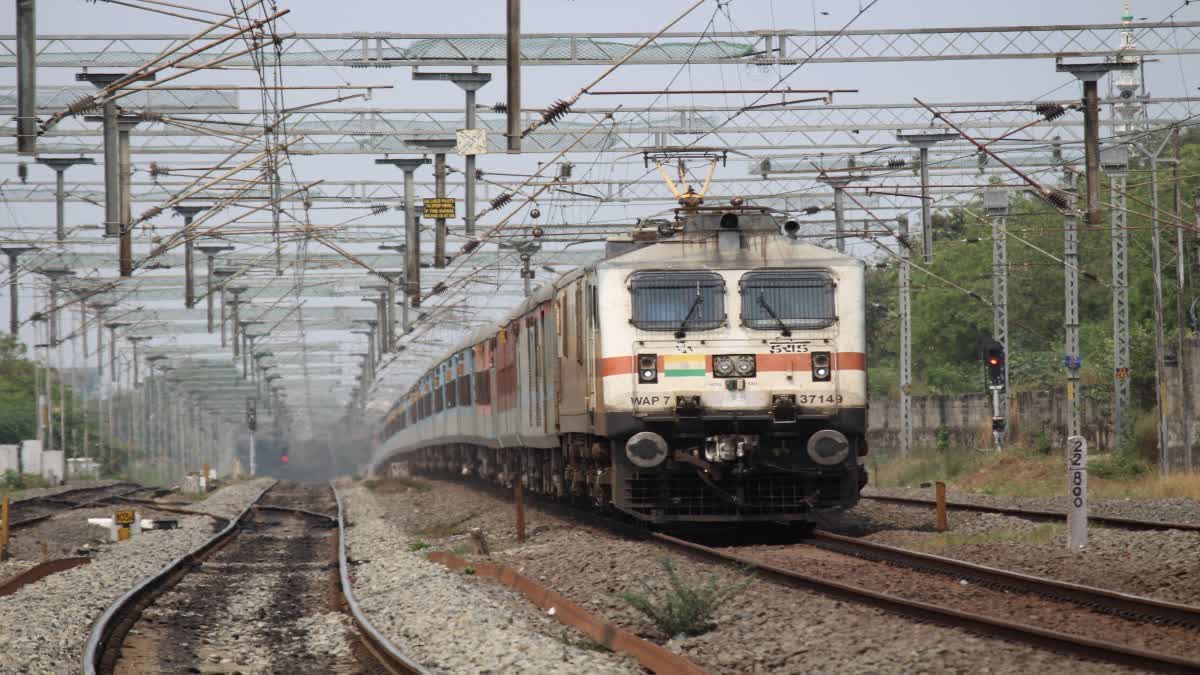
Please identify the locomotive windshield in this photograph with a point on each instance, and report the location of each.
(787, 299)
(677, 301)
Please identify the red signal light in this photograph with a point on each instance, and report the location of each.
(284, 459)
(994, 361)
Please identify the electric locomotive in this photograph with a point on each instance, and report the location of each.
(712, 370)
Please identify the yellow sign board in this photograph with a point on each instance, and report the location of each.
(439, 207)
(123, 517)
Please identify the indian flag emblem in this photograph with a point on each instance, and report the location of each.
(684, 365)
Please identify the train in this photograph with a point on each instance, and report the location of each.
(711, 369)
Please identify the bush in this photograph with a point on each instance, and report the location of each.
(1118, 466)
(683, 608)
(15, 481)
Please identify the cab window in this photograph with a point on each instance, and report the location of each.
(677, 301)
(795, 299)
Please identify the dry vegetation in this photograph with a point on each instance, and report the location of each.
(1028, 473)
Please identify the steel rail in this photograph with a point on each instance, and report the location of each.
(375, 642)
(60, 505)
(981, 624)
(1041, 514)
(1099, 599)
(106, 627)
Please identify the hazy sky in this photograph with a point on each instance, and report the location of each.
(878, 83)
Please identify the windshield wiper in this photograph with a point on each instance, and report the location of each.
(681, 332)
(783, 329)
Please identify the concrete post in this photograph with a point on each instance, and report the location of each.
(189, 275)
(13, 252)
(923, 141)
(412, 234)
(60, 166)
(124, 126)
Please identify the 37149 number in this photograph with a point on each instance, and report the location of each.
(818, 398)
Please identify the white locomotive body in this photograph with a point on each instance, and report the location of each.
(717, 377)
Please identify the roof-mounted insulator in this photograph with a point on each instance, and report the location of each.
(501, 199)
(82, 106)
(1050, 111)
(1055, 198)
(556, 111)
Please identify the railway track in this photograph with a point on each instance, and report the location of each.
(1087, 622)
(32, 510)
(269, 592)
(1042, 515)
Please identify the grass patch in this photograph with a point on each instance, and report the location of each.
(417, 546)
(390, 484)
(926, 466)
(1027, 472)
(1042, 534)
(684, 607)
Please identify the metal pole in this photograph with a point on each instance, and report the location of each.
(905, 284)
(1185, 409)
(513, 75)
(1071, 319)
(1091, 145)
(126, 179)
(1120, 302)
(391, 314)
(112, 353)
(13, 324)
(469, 211)
(253, 455)
(112, 171)
(26, 77)
(1160, 384)
(926, 208)
(60, 196)
(208, 280)
(53, 317)
(839, 217)
(412, 242)
(999, 216)
(439, 232)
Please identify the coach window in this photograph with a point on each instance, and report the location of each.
(787, 299)
(677, 301)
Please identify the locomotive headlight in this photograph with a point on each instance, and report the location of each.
(734, 365)
(828, 447)
(821, 370)
(745, 365)
(647, 368)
